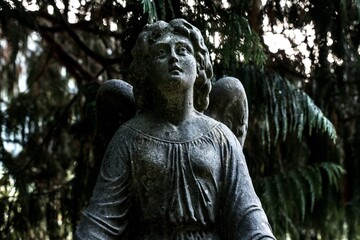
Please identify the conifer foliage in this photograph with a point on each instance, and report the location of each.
(303, 137)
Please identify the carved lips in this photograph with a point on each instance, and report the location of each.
(175, 69)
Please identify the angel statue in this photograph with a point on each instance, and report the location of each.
(172, 172)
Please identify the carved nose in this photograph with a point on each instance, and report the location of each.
(173, 57)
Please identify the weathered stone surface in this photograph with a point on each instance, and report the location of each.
(172, 172)
(229, 105)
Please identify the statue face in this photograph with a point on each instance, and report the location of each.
(173, 64)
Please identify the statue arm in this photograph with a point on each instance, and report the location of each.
(107, 215)
(242, 211)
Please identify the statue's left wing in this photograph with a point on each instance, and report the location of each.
(229, 105)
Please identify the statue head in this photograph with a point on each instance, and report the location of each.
(140, 76)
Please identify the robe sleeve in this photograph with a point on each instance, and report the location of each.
(242, 212)
(106, 217)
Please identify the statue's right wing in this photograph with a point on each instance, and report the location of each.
(115, 105)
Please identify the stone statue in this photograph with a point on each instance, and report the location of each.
(172, 172)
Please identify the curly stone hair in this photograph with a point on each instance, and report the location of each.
(139, 75)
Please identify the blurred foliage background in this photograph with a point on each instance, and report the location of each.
(298, 61)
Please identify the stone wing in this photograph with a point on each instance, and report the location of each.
(229, 105)
(115, 105)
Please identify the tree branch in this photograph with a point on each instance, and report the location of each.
(99, 58)
(69, 61)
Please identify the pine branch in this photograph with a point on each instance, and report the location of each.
(59, 120)
(72, 65)
(283, 66)
(297, 187)
(8, 222)
(82, 25)
(288, 109)
(99, 58)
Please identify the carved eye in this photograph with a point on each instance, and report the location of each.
(182, 50)
(161, 53)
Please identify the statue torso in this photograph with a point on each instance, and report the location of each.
(176, 182)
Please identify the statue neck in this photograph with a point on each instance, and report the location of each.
(174, 107)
